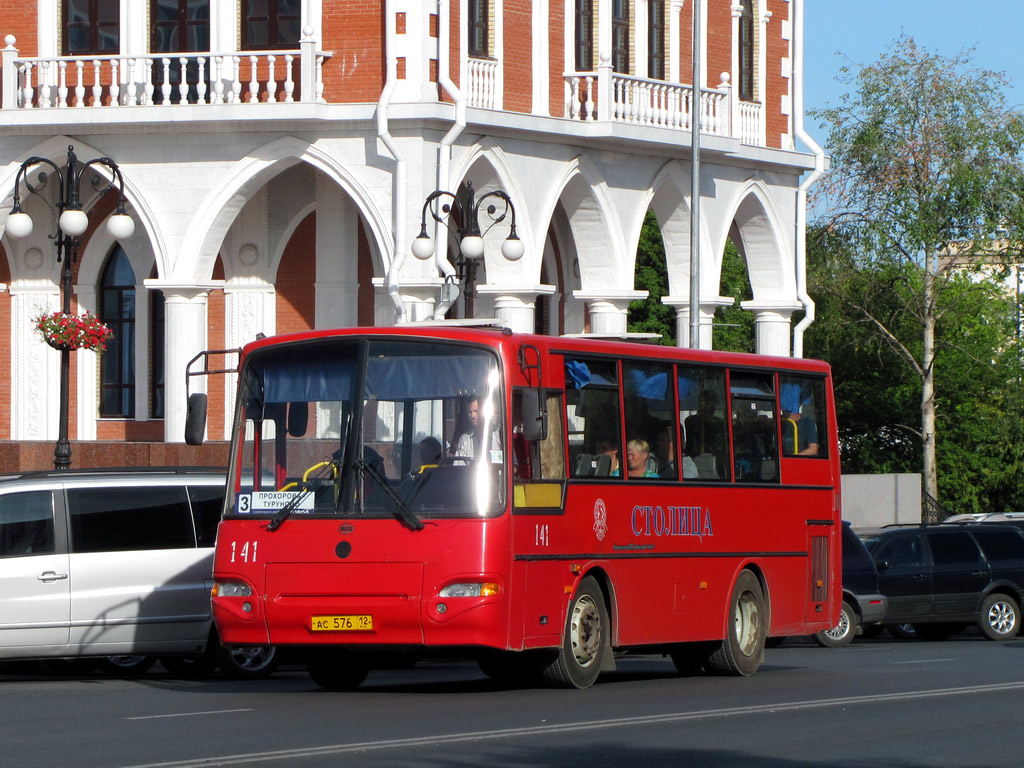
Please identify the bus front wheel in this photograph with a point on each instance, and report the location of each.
(742, 650)
(585, 643)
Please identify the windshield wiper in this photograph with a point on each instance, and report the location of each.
(285, 512)
(402, 512)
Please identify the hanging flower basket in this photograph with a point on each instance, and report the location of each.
(68, 331)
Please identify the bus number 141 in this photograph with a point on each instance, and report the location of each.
(247, 554)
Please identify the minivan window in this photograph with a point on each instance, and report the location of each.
(117, 519)
(26, 524)
(999, 545)
(207, 505)
(953, 548)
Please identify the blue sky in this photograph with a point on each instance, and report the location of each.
(862, 30)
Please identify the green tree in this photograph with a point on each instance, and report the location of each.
(650, 315)
(925, 155)
(978, 374)
(734, 326)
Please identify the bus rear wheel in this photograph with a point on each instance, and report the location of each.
(336, 670)
(742, 650)
(585, 643)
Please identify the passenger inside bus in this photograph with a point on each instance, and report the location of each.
(799, 432)
(638, 459)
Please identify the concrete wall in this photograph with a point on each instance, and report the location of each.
(874, 500)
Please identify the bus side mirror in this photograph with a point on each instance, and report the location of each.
(535, 415)
(195, 418)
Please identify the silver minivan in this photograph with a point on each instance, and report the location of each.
(115, 564)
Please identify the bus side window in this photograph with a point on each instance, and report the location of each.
(539, 459)
(803, 419)
(592, 415)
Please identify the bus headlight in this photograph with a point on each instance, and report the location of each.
(478, 589)
(231, 589)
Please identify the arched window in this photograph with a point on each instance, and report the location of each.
(117, 310)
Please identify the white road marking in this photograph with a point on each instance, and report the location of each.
(622, 722)
(188, 714)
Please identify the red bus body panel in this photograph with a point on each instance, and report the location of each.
(667, 554)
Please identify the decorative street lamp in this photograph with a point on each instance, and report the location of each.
(72, 222)
(471, 241)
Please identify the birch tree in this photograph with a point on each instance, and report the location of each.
(925, 164)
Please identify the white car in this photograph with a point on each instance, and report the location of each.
(115, 564)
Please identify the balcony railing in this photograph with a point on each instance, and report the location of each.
(482, 76)
(607, 96)
(68, 82)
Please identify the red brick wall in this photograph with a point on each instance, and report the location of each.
(216, 322)
(556, 59)
(719, 37)
(517, 58)
(296, 298)
(776, 86)
(353, 30)
(30, 456)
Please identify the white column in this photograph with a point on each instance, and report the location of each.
(515, 306)
(185, 333)
(771, 326)
(35, 367)
(675, 9)
(87, 390)
(250, 308)
(337, 258)
(705, 321)
(608, 310)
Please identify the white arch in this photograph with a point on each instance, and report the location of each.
(55, 149)
(765, 244)
(594, 223)
(222, 204)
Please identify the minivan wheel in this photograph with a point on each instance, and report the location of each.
(251, 662)
(842, 633)
(198, 665)
(902, 631)
(999, 618)
(126, 665)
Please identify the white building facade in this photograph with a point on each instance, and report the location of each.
(277, 162)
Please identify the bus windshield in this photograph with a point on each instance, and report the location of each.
(370, 427)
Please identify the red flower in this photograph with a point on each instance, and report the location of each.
(66, 331)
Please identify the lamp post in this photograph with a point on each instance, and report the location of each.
(72, 222)
(471, 241)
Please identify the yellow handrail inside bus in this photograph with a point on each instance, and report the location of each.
(306, 474)
(796, 434)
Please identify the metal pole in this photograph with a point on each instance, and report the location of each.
(65, 252)
(695, 128)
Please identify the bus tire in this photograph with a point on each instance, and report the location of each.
(742, 650)
(336, 670)
(585, 642)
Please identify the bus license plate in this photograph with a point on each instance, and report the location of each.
(363, 623)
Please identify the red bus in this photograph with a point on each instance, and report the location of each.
(543, 504)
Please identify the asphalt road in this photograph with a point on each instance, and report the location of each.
(877, 702)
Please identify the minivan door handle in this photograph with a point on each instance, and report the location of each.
(49, 576)
(980, 573)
